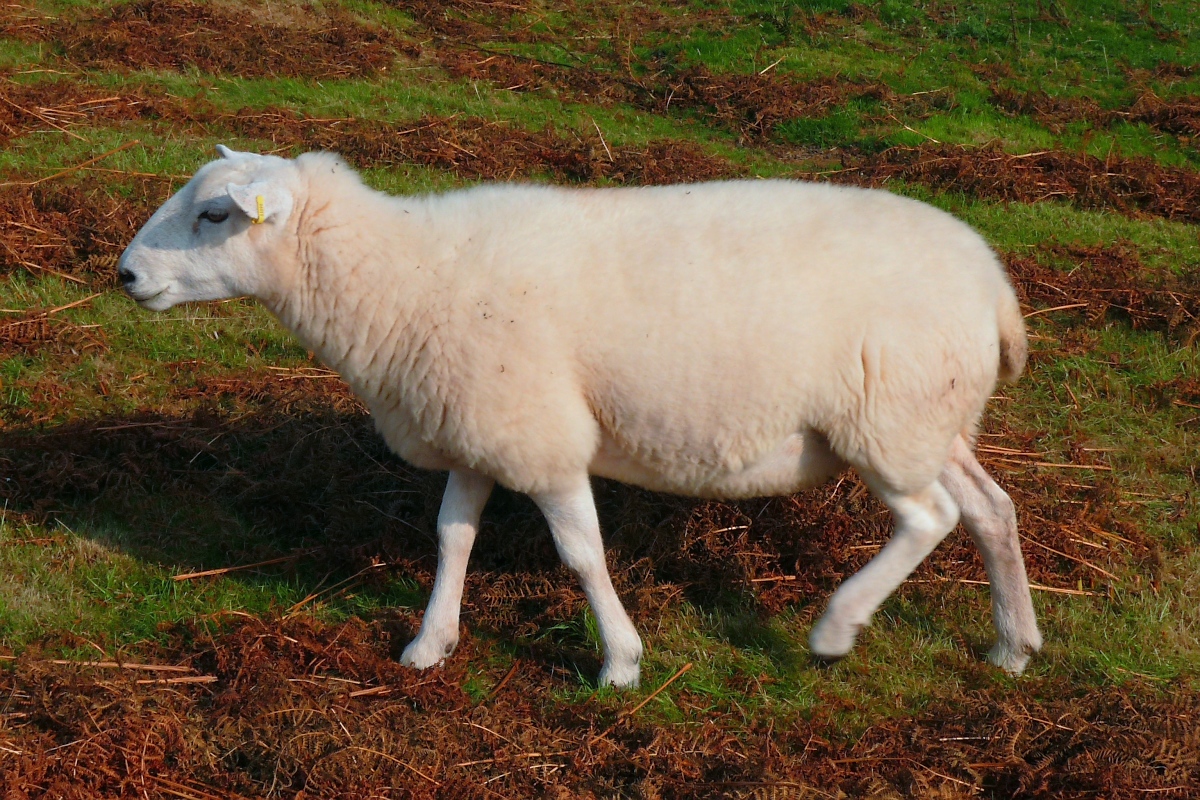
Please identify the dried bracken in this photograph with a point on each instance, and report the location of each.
(1102, 282)
(484, 21)
(38, 331)
(1051, 110)
(1128, 185)
(1180, 116)
(478, 149)
(752, 105)
(75, 230)
(215, 38)
(235, 443)
(472, 148)
(63, 104)
(283, 464)
(74, 227)
(301, 710)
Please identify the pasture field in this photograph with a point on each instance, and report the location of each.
(139, 449)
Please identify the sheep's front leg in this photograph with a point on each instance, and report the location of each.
(576, 530)
(922, 520)
(458, 520)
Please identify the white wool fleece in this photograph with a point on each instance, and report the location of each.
(730, 339)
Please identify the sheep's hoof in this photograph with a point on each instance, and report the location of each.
(830, 640)
(423, 653)
(620, 676)
(825, 662)
(1012, 659)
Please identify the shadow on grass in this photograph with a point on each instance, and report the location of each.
(270, 467)
(209, 489)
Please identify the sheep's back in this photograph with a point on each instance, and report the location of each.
(702, 325)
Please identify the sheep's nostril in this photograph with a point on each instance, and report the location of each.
(126, 277)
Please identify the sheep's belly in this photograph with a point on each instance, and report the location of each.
(800, 461)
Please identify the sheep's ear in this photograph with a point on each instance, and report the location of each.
(262, 200)
(226, 152)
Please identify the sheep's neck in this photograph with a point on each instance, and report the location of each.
(357, 304)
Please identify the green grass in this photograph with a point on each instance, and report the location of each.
(107, 578)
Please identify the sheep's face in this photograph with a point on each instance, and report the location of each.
(208, 241)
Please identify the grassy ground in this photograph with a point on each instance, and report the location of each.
(135, 448)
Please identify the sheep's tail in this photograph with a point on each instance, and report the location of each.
(1014, 347)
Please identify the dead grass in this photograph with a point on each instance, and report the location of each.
(1102, 282)
(314, 42)
(1126, 185)
(62, 105)
(302, 710)
(477, 149)
(750, 105)
(1180, 116)
(74, 229)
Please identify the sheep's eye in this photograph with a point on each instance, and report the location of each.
(214, 215)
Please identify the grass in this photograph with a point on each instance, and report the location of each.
(238, 465)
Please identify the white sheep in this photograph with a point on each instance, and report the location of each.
(734, 339)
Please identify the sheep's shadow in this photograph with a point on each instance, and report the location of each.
(204, 492)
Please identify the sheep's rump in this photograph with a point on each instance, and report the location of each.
(711, 332)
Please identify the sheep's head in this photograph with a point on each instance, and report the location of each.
(208, 241)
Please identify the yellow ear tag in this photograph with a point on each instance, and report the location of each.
(260, 219)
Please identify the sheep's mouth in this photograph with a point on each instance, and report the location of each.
(142, 300)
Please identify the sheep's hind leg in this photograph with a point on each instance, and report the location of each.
(458, 520)
(989, 516)
(922, 520)
(572, 517)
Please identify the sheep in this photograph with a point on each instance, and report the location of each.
(729, 340)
